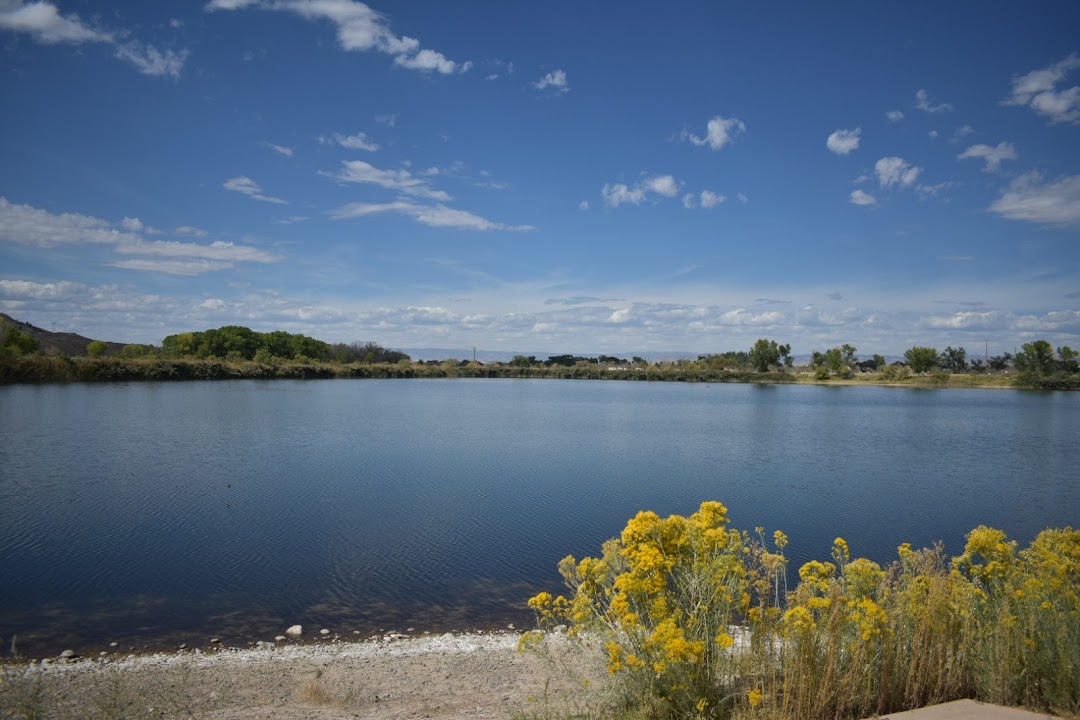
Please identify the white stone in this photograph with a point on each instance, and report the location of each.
(324, 631)
(295, 631)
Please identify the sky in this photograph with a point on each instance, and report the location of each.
(601, 177)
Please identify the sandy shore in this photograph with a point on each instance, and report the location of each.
(478, 675)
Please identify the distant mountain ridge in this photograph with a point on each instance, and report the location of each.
(54, 343)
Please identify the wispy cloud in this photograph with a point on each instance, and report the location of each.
(555, 80)
(43, 22)
(922, 101)
(992, 155)
(358, 141)
(434, 216)
(279, 149)
(1028, 198)
(719, 131)
(246, 186)
(1038, 89)
(359, 28)
(358, 171)
(894, 116)
(28, 225)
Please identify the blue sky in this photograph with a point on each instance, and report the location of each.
(562, 177)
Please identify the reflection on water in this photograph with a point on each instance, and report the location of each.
(168, 513)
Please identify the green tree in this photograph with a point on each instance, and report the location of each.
(522, 361)
(922, 359)
(954, 359)
(1068, 359)
(16, 341)
(1001, 362)
(879, 362)
(96, 348)
(764, 355)
(1036, 357)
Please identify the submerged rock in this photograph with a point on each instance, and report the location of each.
(295, 631)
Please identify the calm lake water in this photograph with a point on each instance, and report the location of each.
(154, 514)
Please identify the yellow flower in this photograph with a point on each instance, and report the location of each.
(780, 539)
(724, 640)
(754, 697)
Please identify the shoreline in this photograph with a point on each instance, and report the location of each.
(453, 675)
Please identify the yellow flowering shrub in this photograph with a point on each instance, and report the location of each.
(696, 621)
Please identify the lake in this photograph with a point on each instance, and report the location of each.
(152, 514)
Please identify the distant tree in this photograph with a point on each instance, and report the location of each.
(764, 354)
(1036, 357)
(977, 365)
(879, 362)
(1068, 357)
(136, 351)
(817, 359)
(954, 359)
(921, 359)
(522, 361)
(15, 341)
(785, 355)
(1001, 362)
(96, 348)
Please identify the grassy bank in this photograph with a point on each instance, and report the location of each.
(54, 368)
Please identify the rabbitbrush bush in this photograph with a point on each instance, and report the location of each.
(695, 620)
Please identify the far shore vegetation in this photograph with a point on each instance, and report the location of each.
(236, 352)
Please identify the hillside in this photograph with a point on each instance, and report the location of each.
(54, 343)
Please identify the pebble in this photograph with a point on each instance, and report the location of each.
(295, 631)
(215, 641)
(324, 631)
(280, 638)
(67, 654)
(112, 644)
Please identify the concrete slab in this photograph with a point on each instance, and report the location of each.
(967, 710)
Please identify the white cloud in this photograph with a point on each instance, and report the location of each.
(663, 185)
(290, 220)
(43, 21)
(583, 205)
(961, 132)
(842, 142)
(358, 28)
(709, 199)
(992, 155)
(28, 225)
(894, 116)
(556, 79)
(26, 290)
(150, 61)
(922, 101)
(218, 250)
(388, 119)
(430, 60)
(1056, 203)
(249, 187)
(926, 191)
(435, 216)
(689, 201)
(620, 193)
(280, 149)
(358, 171)
(359, 141)
(896, 171)
(617, 194)
(720, 131)
(1038, 89)
(858, 197)
(933, 134)
(173, 267)
(189, 230)
(742, 198)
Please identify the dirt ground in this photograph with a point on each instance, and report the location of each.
(446, 676)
